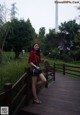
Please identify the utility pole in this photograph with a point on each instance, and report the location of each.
(78, 8)
(56, 16)
(56, 10)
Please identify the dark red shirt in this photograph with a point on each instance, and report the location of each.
(34, 58)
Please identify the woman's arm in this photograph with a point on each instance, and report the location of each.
(37, 67)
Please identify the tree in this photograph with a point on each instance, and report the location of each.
(52, 38)
(41, 38)
(3, 28)
(42, 33)
(13, 11)
(20, 35)
(70, 27)
(70, 30)
(1, 14)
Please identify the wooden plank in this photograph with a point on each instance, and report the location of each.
(61, 98)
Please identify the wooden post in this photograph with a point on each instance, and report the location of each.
(54, 72)
(8, 96)
(46, 85)
(63, 69)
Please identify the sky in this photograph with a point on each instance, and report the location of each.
(42, 12)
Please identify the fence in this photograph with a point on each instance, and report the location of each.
(19, 94)
(68, 69)
(14, 96)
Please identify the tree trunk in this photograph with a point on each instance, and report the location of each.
(17, 55)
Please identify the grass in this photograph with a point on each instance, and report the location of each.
(68, 64)
(12, 70)
(52, 61)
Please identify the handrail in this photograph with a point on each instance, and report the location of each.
(15, 95)
(10, 96)
(68, 69)
(20, 79)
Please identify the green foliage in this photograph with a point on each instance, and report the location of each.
(4, 28)
(12, 70)
(69, 30)
(55, 50)
(53, 53)
(75, 54)
(20, 36)
(70, 27)
(51, 39)
(7, 57)
(42, 33)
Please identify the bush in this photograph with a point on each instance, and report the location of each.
(66, 58)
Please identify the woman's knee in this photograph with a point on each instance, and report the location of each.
(45, 80)
(42, 77)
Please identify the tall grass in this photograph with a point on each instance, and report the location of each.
(12, 70)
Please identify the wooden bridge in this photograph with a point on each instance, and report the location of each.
(62, 97)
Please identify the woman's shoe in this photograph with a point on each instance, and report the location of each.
(36, 101)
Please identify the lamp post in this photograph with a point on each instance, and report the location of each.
(56, 17)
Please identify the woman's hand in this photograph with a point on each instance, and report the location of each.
(37, 67)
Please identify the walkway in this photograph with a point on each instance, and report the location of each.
(62, 97)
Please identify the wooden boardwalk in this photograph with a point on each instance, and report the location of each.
(62, 97)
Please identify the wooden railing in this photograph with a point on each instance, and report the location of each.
(68, 69)
(19, 94)
(14, 96)
(50, 72)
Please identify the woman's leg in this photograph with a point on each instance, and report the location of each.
(34, 82)
(42, 79)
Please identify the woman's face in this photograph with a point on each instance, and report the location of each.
(36, 47)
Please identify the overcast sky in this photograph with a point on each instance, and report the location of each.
(42, 12)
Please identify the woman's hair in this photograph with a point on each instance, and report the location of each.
(37, 51)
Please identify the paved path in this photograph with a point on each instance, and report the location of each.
(62, 97)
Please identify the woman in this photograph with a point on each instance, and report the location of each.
(36, 73)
